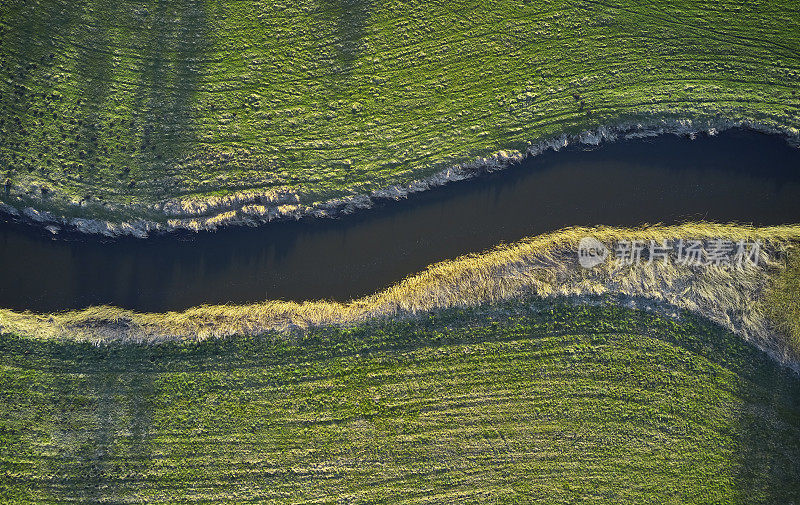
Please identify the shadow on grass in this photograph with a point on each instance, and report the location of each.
(171, 50)
(129, 72)
(28, 53)
(100, 425)
(768, 427)
(349, 18)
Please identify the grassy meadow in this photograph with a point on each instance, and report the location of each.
(505, 403)
(228, 110)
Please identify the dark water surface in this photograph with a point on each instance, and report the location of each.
(738, 176)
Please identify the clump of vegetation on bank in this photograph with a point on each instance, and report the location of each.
(520, 401)
(141, 109)
(783, 301)
(542, 266)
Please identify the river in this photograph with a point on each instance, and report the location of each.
(736, 176)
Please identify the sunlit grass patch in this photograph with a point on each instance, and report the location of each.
(783, 301)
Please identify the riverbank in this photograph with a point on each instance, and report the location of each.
(736, 176)
(325, 112)
(544, 266)
(254, 209)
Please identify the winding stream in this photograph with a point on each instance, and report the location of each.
(736, 176)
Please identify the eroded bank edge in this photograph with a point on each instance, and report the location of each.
(256, 208)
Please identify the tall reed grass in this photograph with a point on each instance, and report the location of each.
(540, 266)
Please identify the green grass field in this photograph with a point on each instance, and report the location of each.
(150, 109)
(473, 381)
(518, 402)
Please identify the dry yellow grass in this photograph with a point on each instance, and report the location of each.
(544, 266)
